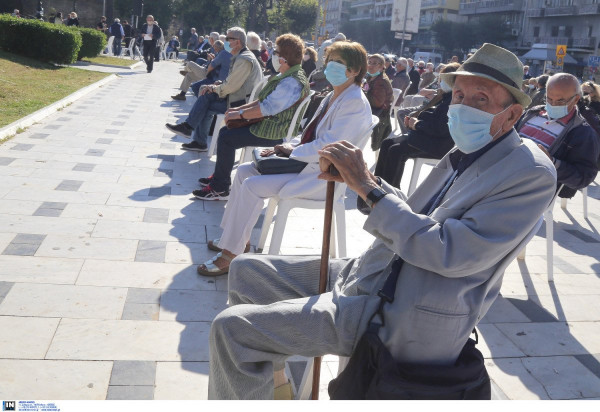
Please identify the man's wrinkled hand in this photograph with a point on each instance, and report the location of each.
(267, 152)
(349, 163)
(284, 150)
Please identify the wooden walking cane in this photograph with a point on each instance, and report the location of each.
(324, 271)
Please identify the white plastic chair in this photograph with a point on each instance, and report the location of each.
(246, 154)
(131, 49)
(163, 51)
(285, 205)
(220, 122)
(395, 122)
(109, 46)
(563, 202)
(549, 219)
(418, 162)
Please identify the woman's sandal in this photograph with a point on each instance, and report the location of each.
(212, 245)
(283, 392)
(209, 268)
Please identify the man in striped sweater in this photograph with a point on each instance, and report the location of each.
(563, 134)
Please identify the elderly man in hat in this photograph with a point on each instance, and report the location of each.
(448, 246)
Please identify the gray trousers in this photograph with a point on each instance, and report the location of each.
(275, 313)
(195, 74)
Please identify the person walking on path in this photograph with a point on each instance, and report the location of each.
(150, 34)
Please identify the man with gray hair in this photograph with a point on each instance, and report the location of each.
(117, 30)
(427, 77)
(401, 79)
(244, 73)
(562, 133)
(193, 40)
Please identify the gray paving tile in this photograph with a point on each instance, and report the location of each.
(168, 145)
(163, 172)
(84, 167)
(111, 131)
(47, 212)
(155, 215)
(118, 123)
(133, 373)
(54, 205)
(159, 191)
(141, 311)
(53, 127)
(104, 140)
(22, 147)
(580, 235)
(39, 136)
(122, 116)
(142, 295)
(592, 362)
(128, 111)
(130, 393)
(5, 161)
(94, 152)
(5, 287)
(532, 310)
(21, 249)
(69, 185)
(75, 113)
(64, 119)
(28, 238)
(151, 251)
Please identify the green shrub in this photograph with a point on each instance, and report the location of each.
(39, 40)
(94, 41)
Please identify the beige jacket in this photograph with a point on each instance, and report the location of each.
(244, 74)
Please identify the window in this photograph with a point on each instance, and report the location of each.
(554, 31)
(568, 31)
(590, 30)
(536, 31)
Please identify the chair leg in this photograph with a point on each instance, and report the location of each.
(340, 226)
(585, 202)
(563, 203)
(280, 220)
(549, 218)
(306, 384)
(267, 223)
(522, 253)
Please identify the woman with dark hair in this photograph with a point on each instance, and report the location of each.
(309, 61)
(344, 114)
(428, 136)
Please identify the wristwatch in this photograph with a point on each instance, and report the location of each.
(241, 111)
(375, 196)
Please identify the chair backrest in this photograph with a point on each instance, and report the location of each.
(257, 88)
(405, 90)
(396, 95)
(109, 44)
(417, 100)
(298, 114)
(131, 44)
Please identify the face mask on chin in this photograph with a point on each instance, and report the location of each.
(470, 127)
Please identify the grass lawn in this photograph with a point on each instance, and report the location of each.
(27, 85)
(113, 61)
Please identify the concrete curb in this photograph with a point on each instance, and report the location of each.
(133, 66)
(52, 108)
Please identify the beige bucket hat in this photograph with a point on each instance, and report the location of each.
(497, 64)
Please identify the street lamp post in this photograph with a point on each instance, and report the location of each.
(40, 11)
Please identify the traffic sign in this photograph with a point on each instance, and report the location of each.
(561, 50)
(594, 61)
(407, 36)
(560, 61)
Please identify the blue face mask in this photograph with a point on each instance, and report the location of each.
(335, 73)
(556, 112)
(374, 74)
(470, 127)
(445, 86)
(227, 46)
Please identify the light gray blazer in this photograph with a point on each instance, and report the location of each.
(449, 256)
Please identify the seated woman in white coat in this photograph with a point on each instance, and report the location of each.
(345, 114)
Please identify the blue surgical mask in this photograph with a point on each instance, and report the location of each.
(374, 74)
(335, 73)
(227, 47)
(470, 127)
(445, 86)
(556, 112)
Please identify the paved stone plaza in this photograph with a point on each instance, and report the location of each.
(99, 238)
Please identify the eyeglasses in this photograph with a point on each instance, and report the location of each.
(373, 63)
(230, 38)
(561, 102)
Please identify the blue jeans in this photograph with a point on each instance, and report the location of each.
(201, 115)
(229, 141)
(197, 85)
(117, 46)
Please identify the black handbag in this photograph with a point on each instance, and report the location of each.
(372, 372)
(275, 165)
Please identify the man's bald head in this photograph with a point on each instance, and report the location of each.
(564, 81)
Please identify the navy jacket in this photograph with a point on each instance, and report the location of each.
(155, 32)
(431, 133)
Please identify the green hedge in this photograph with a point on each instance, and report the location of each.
(39, 40)
(94, 41)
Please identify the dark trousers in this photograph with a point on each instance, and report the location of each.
(117, 46)
(394, 153)
(149, 46)
(229, 141)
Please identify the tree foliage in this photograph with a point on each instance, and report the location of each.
(460, 37)
(375, 36)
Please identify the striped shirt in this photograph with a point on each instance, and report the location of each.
(542, 130)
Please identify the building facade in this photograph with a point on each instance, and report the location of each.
(432, 11)
(335, 12)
